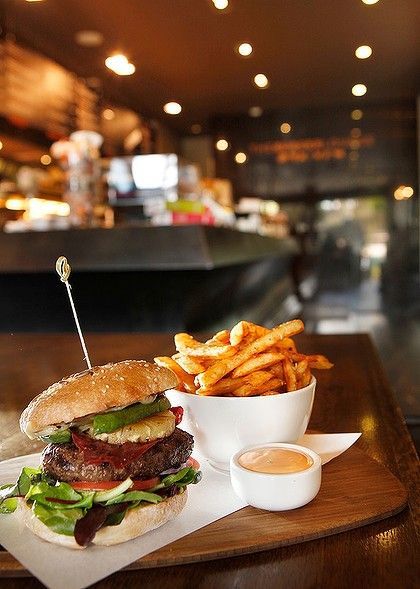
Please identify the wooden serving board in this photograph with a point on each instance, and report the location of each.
(355, 491)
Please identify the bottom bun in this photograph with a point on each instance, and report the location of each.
(136, 522)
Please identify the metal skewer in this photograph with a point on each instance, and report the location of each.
(63, 270)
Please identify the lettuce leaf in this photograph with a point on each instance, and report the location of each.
(59, 521)
(8, 505)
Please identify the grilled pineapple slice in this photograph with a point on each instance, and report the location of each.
(159, 425)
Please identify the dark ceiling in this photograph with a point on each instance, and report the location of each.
(184, 50)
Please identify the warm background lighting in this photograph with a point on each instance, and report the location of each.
(89, 38)
(359, 90)
(363, 52)
(369, 2)
(403, 192)
(221, 4)
(1, 144)
(45, 159)
(108, 114)
(120, 65)
(285, 128)
(261, 80)
(356, 114)
(172, 108)
(255, 111)
(240, 157)
(222, 145)
(245, 49)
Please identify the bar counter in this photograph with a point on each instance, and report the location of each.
(139, 278)
(353, 396)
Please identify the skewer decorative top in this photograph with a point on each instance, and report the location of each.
(63, 269)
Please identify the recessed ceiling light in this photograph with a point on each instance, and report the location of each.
(221, 4)
(222, 145)
(255, 111)
(363, 52)
(356, 114)
(285, 128)
(89, 38)
(196, 128)
(45, 159)
(369, 2)
(261, 81)
(245, 49)
(359, 90)
(240, 157)
(120, 65)
(1, 144)
(403, 192)
(108, 114)
(172, 108)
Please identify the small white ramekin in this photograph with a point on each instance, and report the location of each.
(276, 492)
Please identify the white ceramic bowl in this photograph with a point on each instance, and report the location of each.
(223, 425)
(276, 492)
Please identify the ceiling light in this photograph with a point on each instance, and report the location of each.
(221, 4)
(363, 52)
(359, 90)
(1, 144)
(45, 159)
(196, 129)
(356, 114)
(369, 2)
(403, 192)
(222, 145)
(89, 38)
(245, 49)
(172, 108)
(33, 0)
(240, 157)
(255, 111)
(120, 65)
(285, 128)
(108, 114)
(261, 80)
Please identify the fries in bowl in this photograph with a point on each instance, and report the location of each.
(248, 360)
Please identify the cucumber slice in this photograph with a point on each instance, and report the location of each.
(105, 423)
(101, 496)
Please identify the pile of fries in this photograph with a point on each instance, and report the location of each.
(246, 361)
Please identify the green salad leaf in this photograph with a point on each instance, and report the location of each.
(60, 437)
(8, 505)
(59, 521)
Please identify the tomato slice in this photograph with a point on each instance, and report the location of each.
(193, 463)
(106, 485)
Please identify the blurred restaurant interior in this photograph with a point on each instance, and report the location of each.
(202, 161)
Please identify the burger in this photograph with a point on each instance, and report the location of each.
(116, 465)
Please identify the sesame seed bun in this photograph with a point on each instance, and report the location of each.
(94, 391)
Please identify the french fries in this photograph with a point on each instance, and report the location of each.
(246, 361)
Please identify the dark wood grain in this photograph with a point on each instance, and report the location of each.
(354, 396)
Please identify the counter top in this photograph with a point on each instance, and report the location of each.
(180, 247)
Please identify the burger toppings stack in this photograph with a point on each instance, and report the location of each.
(116, 464)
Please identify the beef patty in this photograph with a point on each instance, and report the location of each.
(64, 462)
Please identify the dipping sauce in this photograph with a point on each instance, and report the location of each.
(275, 460)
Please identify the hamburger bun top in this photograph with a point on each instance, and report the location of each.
(94, 391)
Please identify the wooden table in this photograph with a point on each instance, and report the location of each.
(354, 396)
